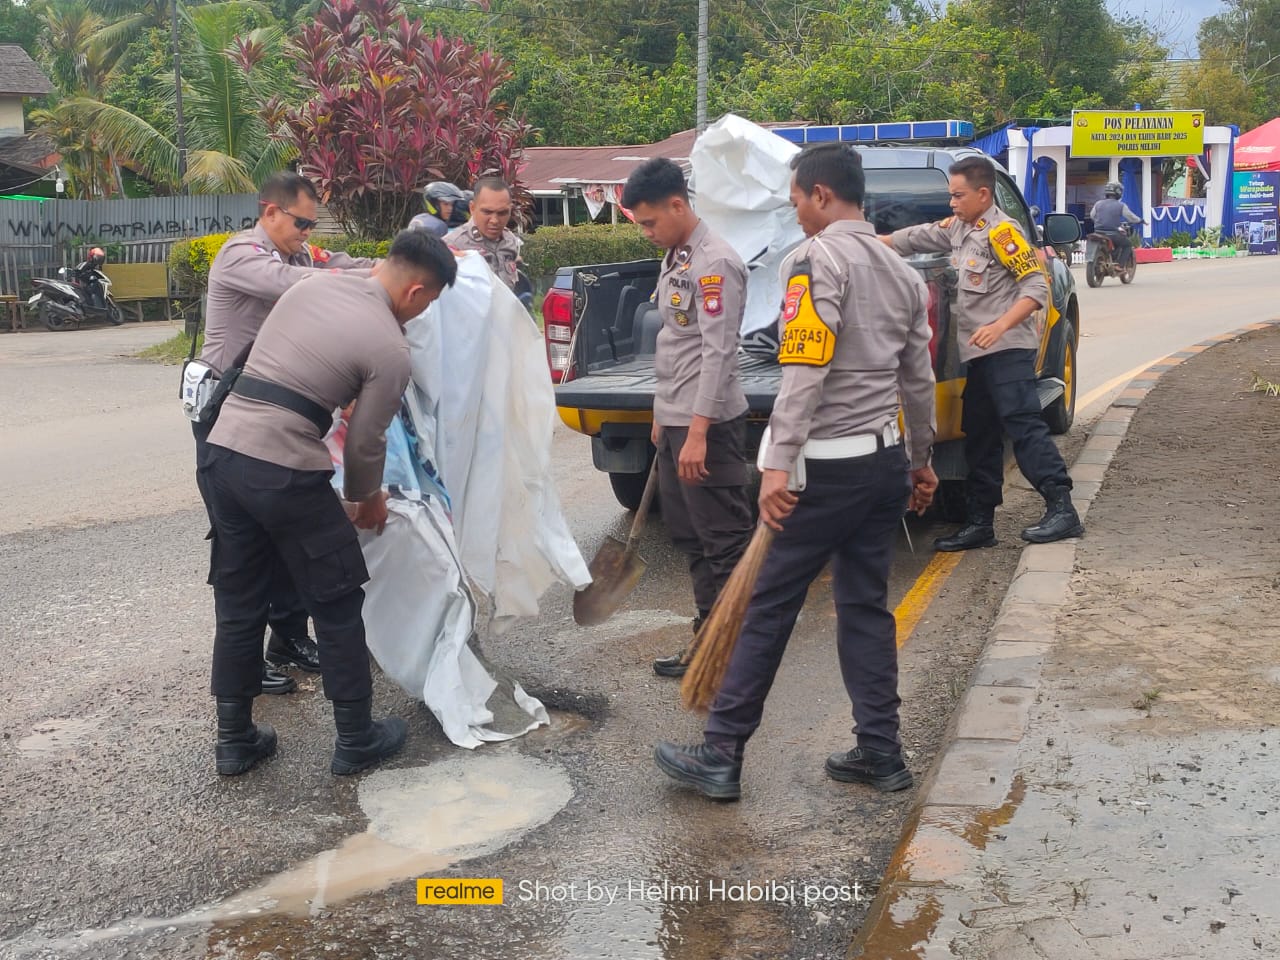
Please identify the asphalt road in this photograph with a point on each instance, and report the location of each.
(119, 840)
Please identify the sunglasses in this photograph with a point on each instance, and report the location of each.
(302, 223)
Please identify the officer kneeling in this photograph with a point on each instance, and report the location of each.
(330, 339)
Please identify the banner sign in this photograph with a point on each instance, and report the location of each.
(1136, 133)
(1255, 204)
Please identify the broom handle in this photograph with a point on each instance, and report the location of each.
(646, 501)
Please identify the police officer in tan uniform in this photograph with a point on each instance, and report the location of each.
(699, 409)
(247, 277)
(330, 340)
(1001, 286)
(487, 233)
(837, 478)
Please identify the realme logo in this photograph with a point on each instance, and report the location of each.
(446, 890)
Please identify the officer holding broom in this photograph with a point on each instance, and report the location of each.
(837, 478)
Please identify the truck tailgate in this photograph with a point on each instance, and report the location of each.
(630, 386)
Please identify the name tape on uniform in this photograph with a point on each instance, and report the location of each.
(805, 338)
(1014, 251)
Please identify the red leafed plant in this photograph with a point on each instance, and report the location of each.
(392, 108)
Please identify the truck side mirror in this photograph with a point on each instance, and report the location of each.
(1060, 229)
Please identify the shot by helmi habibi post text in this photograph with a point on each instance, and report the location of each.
(494, 891)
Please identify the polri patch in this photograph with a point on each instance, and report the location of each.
(319, 254)
(806, 339)
(1014, 251)
(712, 293)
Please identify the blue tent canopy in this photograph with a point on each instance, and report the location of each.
(994, 144)
(1131, 180)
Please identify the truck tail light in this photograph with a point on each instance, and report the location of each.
(557, 327)
(934, 332)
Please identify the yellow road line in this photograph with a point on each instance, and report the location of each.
(922, 592)
(1083, 403)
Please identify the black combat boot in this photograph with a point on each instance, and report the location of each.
(273, 681)
(300, 652)
(885, 771)
(677, 664)
(704, 767)
(363, 742)
(1060, 519)
(979, 531)
(240, 744)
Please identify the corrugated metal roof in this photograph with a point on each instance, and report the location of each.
(551, 169)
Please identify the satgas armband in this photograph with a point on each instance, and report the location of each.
(1013, 251)
(806, 339)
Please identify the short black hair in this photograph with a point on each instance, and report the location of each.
(419, 250)
(837, 166)
(979, 171)
(491, 183)
(654, 181)
(285, 187)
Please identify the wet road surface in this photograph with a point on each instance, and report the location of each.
(121, 841)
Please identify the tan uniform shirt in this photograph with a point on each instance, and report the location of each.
(701, 294)
(333, 339)
(995, 268)
(501, 255)
(246, 279)
(855, 343)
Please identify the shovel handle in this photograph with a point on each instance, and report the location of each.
(646, 501)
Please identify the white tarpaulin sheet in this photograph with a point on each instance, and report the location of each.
(473, 505)
(742, 184)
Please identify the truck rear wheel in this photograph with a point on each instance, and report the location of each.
(628, 488)
(1060, 414)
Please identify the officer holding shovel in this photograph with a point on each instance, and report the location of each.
(699, 409)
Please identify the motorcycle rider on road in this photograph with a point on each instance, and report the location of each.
(1108, 215)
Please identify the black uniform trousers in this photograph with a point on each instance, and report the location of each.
(263, 513)
(999, 398)
(287, 615)
(847, 514)
(709, 522)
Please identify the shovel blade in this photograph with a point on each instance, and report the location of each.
(614, 574)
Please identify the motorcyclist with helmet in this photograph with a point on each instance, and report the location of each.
(1108, 215)
(439, 196)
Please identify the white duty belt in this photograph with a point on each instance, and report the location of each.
(845, 448)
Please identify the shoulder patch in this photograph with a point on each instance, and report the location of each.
(318, 254)
(806, 340)
(712, 294)
(947, 222)
(1012, 250)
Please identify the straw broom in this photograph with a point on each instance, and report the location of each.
(713, 646)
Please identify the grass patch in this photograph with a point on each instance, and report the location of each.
(174, 350)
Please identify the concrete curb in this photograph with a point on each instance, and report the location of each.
(974, 778)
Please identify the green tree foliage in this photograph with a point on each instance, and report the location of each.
(20, 24)
(1238, 77)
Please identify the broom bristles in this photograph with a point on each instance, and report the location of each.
(719, 632)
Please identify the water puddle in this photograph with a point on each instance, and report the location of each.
(421, 820)
(58, 736)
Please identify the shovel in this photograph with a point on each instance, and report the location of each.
(616, 569)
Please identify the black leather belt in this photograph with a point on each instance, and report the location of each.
(254, 389)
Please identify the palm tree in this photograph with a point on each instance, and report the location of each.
(228, 80)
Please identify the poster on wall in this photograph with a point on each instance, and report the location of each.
(1257, 196)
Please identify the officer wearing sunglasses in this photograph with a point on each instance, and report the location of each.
(247, 277)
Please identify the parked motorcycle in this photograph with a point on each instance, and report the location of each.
(1100, 259)
(79, 294)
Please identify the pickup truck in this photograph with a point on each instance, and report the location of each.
(600, 330)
